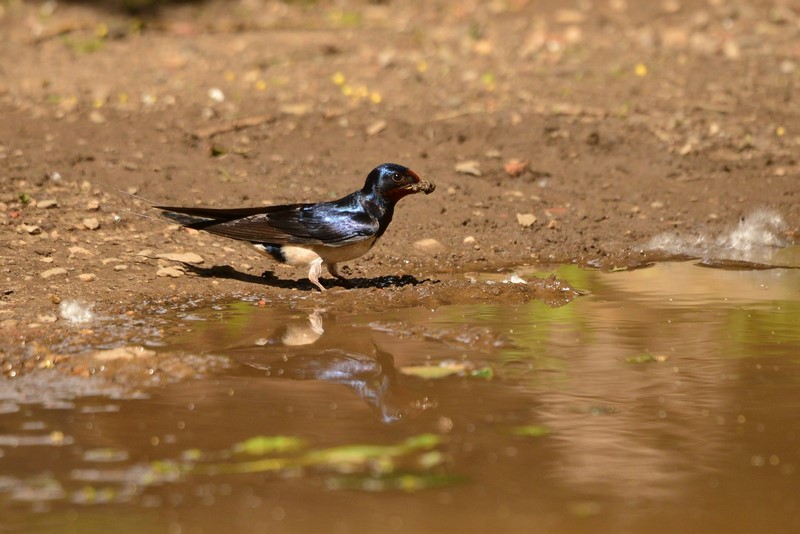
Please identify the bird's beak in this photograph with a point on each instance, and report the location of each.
(420, 186)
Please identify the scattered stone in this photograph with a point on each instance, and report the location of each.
(429, 245)
(87, 277)
(30, 229)
(80, 250)
(93, 205)
(46, 204)
(731, 50)
(515, 167)
(55, 271)
(657, 205)
(96, 117)
(216, 94)
(526, 219)
(46, 319)
(788, 66)
(469, 240)
(120, 267)
(123, 353)
(46, 259)
(184, 257)
(172, 272)
(492, 153)
(553, 224)
(471, 167)
(569, 16)
(376, 127)
(91, 223)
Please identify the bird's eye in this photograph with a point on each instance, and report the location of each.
(397, 178)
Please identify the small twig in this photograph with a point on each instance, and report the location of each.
(57, 30)
(232, 126)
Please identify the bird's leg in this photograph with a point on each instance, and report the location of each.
(314, 271)
(336, 274)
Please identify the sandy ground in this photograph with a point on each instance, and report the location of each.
(555, 132)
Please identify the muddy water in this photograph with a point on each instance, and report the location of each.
(667, 399)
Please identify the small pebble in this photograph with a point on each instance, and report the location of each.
(87, 277)
(428, 245)
(91, 223)
(470, 167)
(216, 94)
(55, 271)
(45, 204)
(120, 267)
(30, 229)
(526, 219)
(79, 250)
(185, 257)
(376, 127)
(469, 240)
(788, 66)
(96, 117)
(515, 167)
(172, 272)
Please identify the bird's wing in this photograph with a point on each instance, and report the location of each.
(330, 223)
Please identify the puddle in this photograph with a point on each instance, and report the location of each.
(667, 396)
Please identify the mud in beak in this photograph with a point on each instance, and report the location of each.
(421, 186)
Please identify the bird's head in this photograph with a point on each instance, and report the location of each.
(393, 182)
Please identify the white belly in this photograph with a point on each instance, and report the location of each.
(298, 255)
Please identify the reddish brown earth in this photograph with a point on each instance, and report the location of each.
(628, 119)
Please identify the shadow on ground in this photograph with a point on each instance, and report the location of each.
(133, 7)
(269, 278)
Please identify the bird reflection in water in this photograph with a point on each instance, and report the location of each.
(302, 350)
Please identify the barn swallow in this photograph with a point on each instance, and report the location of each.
(314, 235)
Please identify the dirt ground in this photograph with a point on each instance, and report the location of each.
(555, 132)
